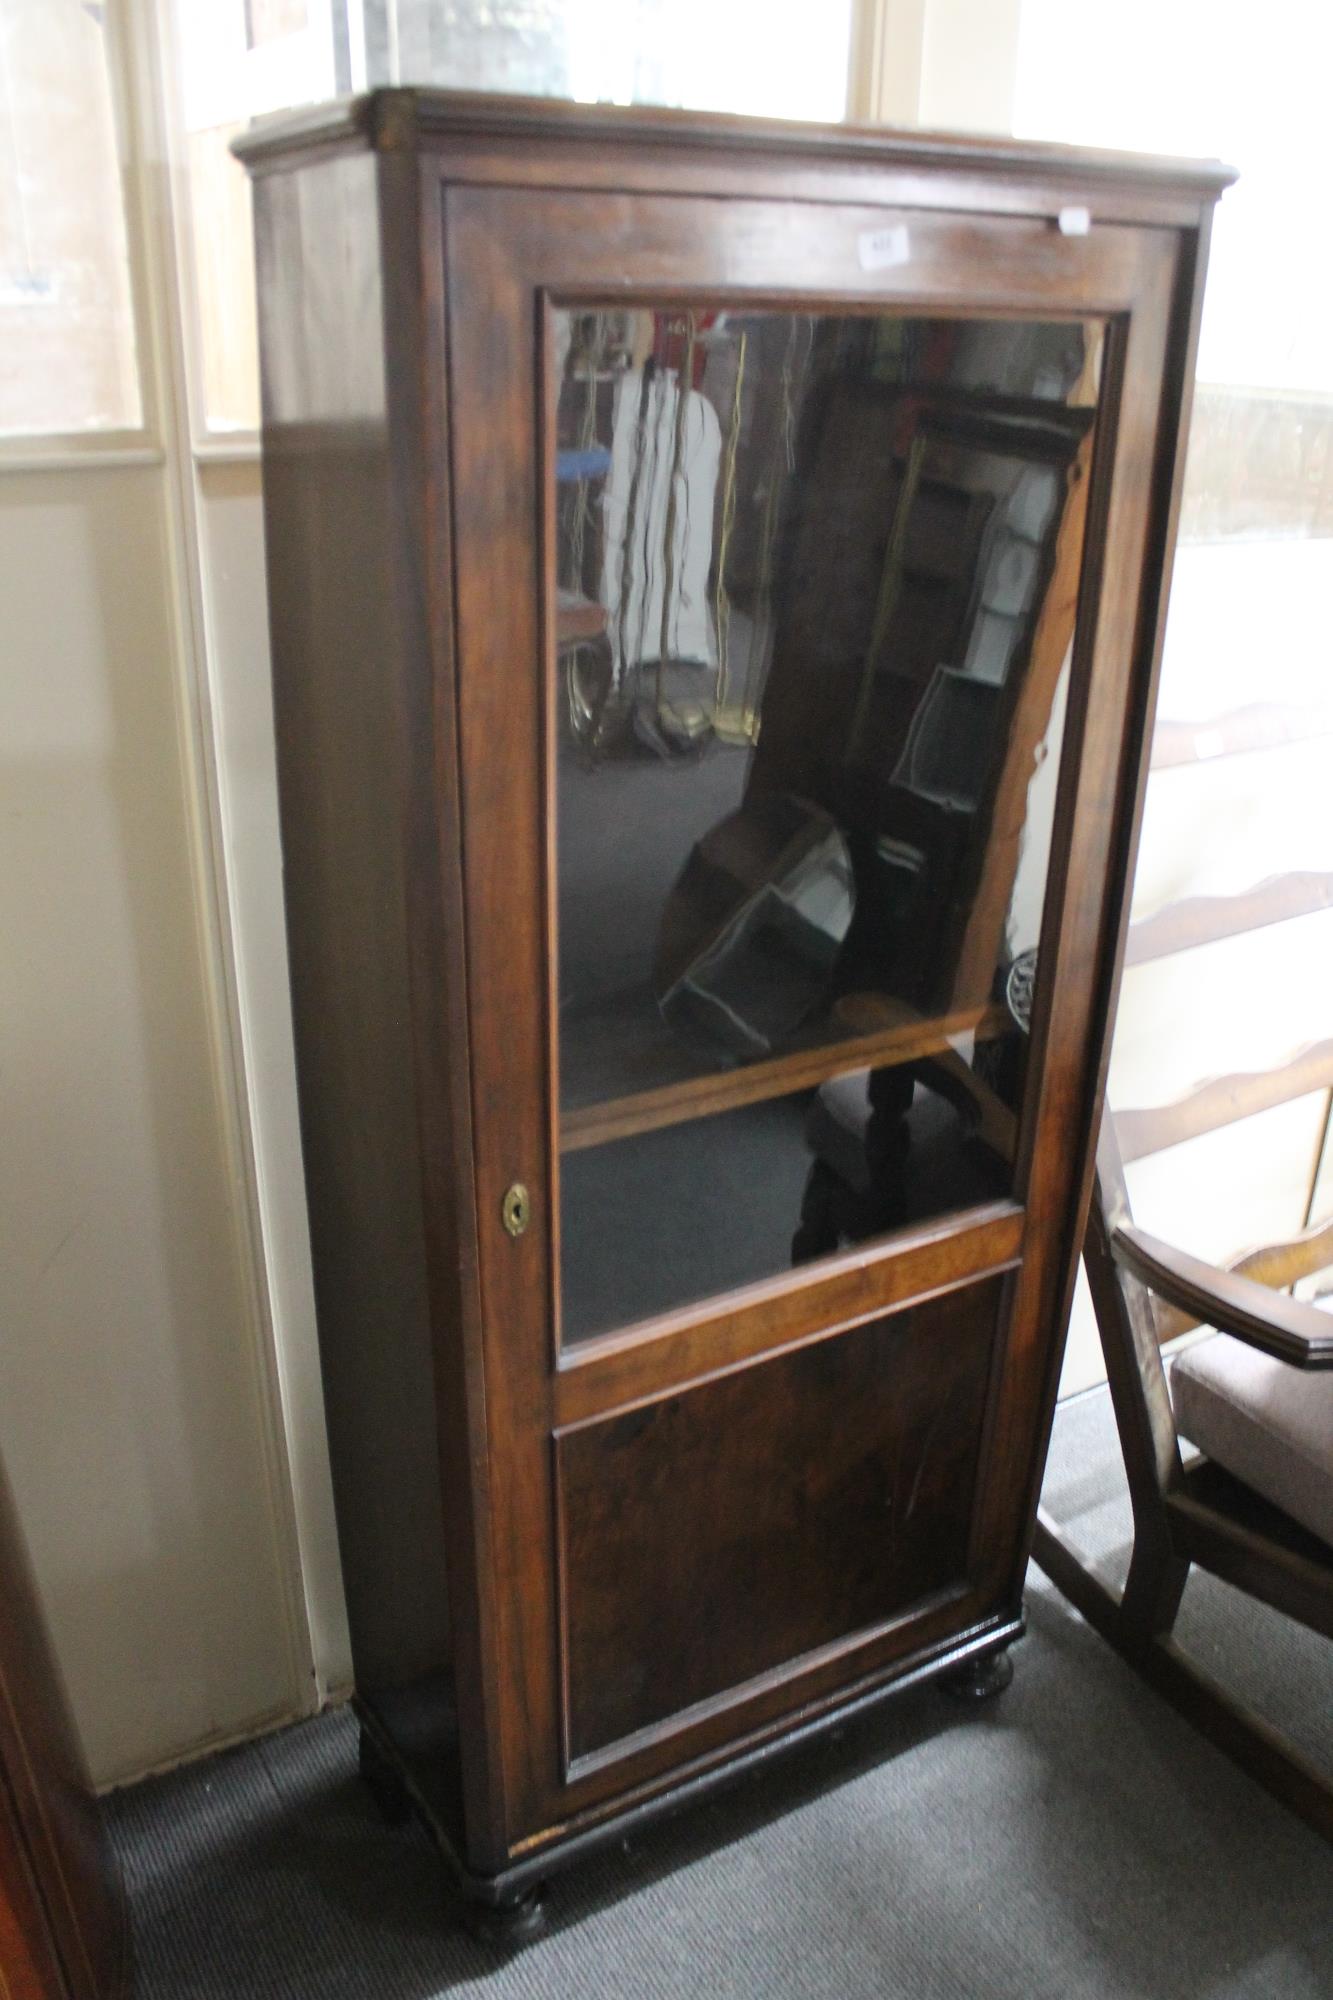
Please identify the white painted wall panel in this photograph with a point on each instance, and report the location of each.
(130, 1414)
(231, 536)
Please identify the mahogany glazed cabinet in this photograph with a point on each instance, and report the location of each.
(716, 577)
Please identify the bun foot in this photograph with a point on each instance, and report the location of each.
(381, 1779)
(509, 1925)
(981, 1678)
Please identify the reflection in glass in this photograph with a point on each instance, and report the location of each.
(816, 582)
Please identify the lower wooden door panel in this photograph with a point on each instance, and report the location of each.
(750, 1520)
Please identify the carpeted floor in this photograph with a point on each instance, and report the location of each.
(1075, 1839)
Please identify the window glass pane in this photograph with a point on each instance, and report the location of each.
(1248, 628)
(240, 58)
(1248, 633)
(784, 58)
(67, 352)
(1224, 81)
(1248, 659)
(816, 578)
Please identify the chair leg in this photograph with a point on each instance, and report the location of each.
(817, 1231)
(1260, 1751)
(1153, 1590)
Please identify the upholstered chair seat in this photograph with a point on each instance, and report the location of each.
(1265, 1423)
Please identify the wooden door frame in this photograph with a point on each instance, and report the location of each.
(511, 251)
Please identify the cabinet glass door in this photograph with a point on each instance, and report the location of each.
(816, 583)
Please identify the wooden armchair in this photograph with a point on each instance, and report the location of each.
(1257, 1508)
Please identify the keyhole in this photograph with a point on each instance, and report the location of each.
(516, 1209)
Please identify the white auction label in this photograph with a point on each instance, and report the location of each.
(881, 249)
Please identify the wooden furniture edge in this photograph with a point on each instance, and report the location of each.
(1273, 1265)
(714, 1092)
(1221, 1101)
(1166, 490)
(1198, 920)
(1286, 1328)
(395, 119)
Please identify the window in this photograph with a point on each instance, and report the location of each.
(1237, 803)
(67, 346)
(1223, 78)
(240, 58)
(1249, 627)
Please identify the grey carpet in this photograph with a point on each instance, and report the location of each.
(1073, 1840)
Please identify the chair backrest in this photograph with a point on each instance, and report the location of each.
(1134, 1320)
(1194, 921)
(1221, 1101)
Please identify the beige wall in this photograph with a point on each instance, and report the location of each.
(230, 545)
(159, 1396)
(131, 1413)
(942, 64)
(969, 62)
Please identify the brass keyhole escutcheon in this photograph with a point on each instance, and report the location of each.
(516, 1209)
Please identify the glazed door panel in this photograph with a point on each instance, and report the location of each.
(816, 577)
(701, 804)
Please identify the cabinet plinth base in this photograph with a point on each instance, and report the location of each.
(506, 1909)
(506, 1926)
(980, 1678)
(382, 1779)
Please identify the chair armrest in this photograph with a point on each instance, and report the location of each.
(1286, 1328)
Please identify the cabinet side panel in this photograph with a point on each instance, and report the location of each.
(334, 631)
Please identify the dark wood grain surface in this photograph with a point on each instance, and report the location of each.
(909, 1038)
(1277, 1265)
(334, 611)
(728, 1530)
(616, 146)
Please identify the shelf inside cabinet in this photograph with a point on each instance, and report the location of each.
(904, 1036)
